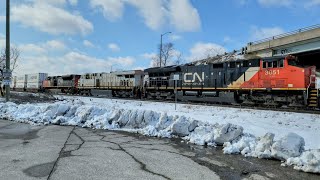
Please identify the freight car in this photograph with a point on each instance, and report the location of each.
(120, 83)
(271, 81)
(35, 81)
(62, 84)
(21, 83)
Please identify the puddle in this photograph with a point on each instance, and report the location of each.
(19, 131)
(40, 170)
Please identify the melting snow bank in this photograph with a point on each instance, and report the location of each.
(289, 149)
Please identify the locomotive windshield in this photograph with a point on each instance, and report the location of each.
(292, 62)
(275, 63)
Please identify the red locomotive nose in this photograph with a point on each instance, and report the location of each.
(282, 73)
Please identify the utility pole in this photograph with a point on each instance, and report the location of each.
(160, 55)
(8, 47)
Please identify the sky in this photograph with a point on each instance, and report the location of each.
(83, 36)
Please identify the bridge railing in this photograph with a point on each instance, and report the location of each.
(286, 34)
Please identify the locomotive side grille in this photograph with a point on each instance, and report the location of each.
(267, 83)
(280, 83)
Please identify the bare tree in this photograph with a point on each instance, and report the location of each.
(169, 56)
(155, 61)
(179, 59)
(167, 52)
(14, 56)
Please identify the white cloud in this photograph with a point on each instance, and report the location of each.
(152, 12)
(180, 14)
(51, 19)
(227, 39)
(268, 3)
(295, 4)
(111, 9)
(148, 56)
(184, 16)
(114, 47)
(31, 49)
(262, 33)
(48, 57)
(242, 2)
(88, 44)
(71, 62)
(204, 50)
(174, 37)
(2, 18)
(73, 2)
(2, 42)
(312, 3)
(52, 2)
(55, 45)
(42, 48)
(123, 61)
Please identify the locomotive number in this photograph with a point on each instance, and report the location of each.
(272, 72)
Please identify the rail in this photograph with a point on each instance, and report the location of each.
(286, 34)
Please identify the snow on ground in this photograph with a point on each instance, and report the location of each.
(290, 137)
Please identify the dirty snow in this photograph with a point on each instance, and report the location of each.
(289, 137)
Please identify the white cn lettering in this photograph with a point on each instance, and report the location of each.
(195, 76)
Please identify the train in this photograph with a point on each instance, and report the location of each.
(275, 81)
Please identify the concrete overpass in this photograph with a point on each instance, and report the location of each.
(295, 42)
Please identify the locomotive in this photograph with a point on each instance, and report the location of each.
(275, 81)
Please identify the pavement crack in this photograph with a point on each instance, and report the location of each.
(82, 141)
(67, 153)
(154, 149)
(60, 154)
(143, 166)
(193, 158)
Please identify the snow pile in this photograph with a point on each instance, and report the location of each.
(226, 133)
(263, 146)
(291, 145)
(290, 148)
(202, 135)
(309, 161)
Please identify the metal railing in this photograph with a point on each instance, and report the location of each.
(286, 34)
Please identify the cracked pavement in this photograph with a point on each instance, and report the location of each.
(67, 152)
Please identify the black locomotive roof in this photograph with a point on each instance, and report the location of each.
(273, 58)
(163, 69)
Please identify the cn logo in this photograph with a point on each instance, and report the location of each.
(193, 77)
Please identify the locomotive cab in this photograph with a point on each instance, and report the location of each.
(285, 73)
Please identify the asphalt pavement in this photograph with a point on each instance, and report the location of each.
(67, 152)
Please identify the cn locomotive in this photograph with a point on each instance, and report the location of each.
(276, 81)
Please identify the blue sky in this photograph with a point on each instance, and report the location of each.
(79, 36)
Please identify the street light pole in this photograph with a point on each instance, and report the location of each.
(161, 46)
(8, 47)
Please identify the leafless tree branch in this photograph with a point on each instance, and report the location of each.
(169, 56)
(14, 56)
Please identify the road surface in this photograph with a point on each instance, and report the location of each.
(66, 152)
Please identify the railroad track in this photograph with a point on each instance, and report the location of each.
(239, 106)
